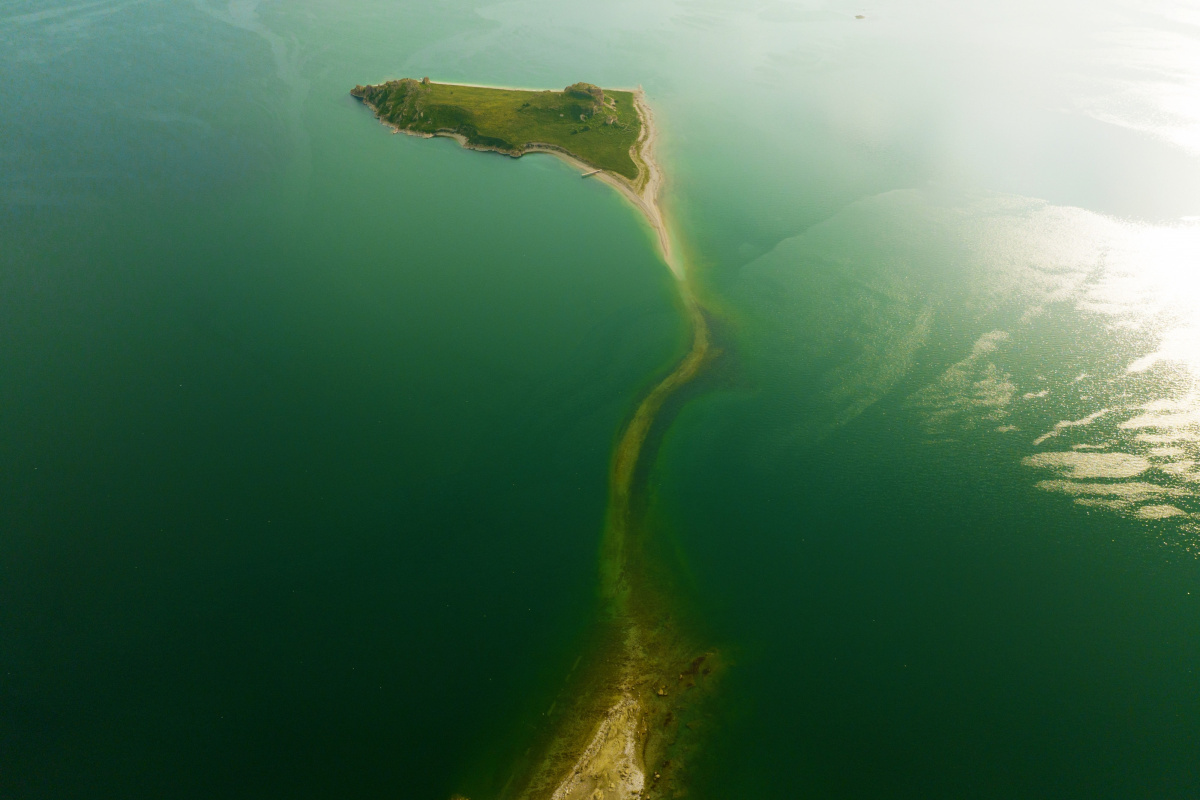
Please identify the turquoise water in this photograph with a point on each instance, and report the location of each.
(304, 427)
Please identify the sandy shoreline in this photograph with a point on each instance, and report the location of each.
(611, 764)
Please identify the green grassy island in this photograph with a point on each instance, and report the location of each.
(597, 127)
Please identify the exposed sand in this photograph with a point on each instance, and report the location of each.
(610, 767)
(647, 196)
(642, 192)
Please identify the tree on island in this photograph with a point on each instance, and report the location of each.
(589, 92)
(586, 91)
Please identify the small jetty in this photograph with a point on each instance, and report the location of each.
(588, 174)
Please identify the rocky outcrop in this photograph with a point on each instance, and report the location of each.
(592, 95)
(398, 102)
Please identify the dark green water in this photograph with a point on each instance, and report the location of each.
(304, 428)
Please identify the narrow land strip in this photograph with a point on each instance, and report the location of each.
(611, 741)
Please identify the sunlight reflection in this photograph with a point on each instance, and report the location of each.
(1148, 418)
(1158, 95)
(1114, 306)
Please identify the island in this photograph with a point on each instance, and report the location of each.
(606, 133)
(625, 724)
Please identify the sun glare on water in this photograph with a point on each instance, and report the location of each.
(1133, 442)
(1110, 409)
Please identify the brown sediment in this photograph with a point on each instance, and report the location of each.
(645, 189)
(615, 732)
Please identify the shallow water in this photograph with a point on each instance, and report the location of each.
(305, 427)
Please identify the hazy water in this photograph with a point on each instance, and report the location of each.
(304, 427)
(943, 510)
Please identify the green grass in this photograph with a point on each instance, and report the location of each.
(510, 120)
